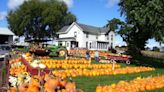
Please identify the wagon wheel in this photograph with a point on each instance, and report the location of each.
(128, 62)
(112, 61)
(62, 52)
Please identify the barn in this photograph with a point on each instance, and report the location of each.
(6, 36)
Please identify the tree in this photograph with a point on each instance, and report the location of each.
(114, 24)
(39, 18)
(146, 18)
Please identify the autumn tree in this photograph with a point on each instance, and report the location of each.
(39, 18)
(144, 20)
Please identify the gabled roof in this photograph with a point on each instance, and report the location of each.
(64, 29)
(6, 31)
(86, 28)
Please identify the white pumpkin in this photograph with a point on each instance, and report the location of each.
(42, 66)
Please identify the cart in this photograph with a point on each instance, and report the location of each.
(126, 59)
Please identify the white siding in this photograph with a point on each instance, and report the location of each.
(110, 39)
(89, 39)
(71, 32)
(102, 38)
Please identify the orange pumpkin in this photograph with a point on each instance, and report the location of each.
(34, 82)
(28, 54)
(46, 77)
(32, 89)
(70, 87)
(12, 89)
(53, 83)
(22, 88)
(63, 83)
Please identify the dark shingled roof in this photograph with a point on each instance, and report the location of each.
(63, 29)
(87, 29)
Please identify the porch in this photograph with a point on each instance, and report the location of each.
(98, 45)
(68, 42)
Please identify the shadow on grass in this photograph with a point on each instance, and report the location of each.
(148, 61)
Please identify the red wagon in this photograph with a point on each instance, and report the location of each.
(34, 71)
(126, 59)
(30, 69)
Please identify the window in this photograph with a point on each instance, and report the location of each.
(75, 34)
(87, 35)
(60, 44)
(90, 44)
(96, 36)
(111, 46)
(111, 37)
(67, 44)
(87, 45)
(107, 37)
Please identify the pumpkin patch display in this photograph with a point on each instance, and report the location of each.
(60, 70)
(81, 66)
(49, 84)
(71, 61)
(98, 72)
(137, 85)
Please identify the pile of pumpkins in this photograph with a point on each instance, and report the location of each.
(46, 83)
(16, 66)
(137, 85)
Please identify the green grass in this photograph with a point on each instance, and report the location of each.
(148, 61)
(88, 84)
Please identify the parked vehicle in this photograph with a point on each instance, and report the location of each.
(57, 50)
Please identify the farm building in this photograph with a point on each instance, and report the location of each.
(6, 36)
(79, 35)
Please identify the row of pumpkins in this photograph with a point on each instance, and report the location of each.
(137, 85)
(82, 52)
(99, 72)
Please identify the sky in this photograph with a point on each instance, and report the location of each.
(90, 12)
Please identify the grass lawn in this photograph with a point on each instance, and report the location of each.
(88, 84)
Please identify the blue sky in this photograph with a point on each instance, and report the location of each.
(91, 12)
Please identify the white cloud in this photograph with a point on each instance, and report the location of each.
(152, 43)
(68, 2)
(111, 3)
(119, 41)
(12, 4)
(3, 15)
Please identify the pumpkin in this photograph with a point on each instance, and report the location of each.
(47, 77)
(34, 82)
(63, 83)
(32, 89)
(53, 83)
(70, 87)
(12, 89)
(22, 88)
(28, 54)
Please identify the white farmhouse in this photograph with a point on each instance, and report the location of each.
(85, 36)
